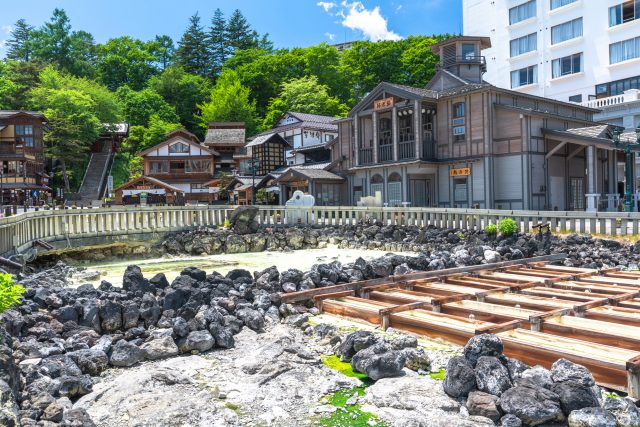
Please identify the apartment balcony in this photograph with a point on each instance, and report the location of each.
(630, 95)
(365, 156)
(407, 150)
(385, 153)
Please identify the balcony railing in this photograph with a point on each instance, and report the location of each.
(407, 150)
(385, 153)
(462, 60)
(428, 150)
(628, 96)
(365, 156)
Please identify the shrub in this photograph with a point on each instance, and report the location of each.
(10, 292)
(491, 229)
(507, 227)
(227, 223)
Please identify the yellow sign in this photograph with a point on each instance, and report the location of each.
(460, 172)
(383, 103)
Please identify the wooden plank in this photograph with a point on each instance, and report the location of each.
(496, 329)
(403, 307)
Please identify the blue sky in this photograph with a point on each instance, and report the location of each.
(290, 23)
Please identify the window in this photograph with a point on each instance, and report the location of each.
(617, 87)
(198, 186)
(624, 12)
(458, 133)
(567, 31)
(524, 76)
(405, 126)
(521, 12)
(458, 110)
(158, 167)
(468, 51)
(24, 134)
(624, 50)
(178, 147)
(559, 3)
(524, 44)
(575, 98)
(568, 65)
(198, 166)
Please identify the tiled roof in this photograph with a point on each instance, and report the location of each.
(426, 93)
(322, 165)
(328, 127)
(316, 118)
(262, 138)
(600, 133)
(5, 114)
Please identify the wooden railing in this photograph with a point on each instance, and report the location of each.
(18, 233)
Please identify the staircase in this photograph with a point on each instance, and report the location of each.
(95, 178)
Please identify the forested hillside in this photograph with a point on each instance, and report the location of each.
(219, 70)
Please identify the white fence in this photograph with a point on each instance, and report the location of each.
(19, 232)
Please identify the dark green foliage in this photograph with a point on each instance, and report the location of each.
(193, 53)
(20, 46)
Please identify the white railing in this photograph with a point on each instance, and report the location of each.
(19, 232)
(628, 96)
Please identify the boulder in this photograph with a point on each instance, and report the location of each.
(194, 273)
(482, 345)
(459, 379)
(416, 359)
(130, 315)
(510, 420)
(532, 404)
(159, 348)
(624, 410)
(563, 370)
(353, 343)
(491, 256)
(125, 354)
(222, 335)
(90, 361)
(574, 396)
(110, 315)
(243, 220)
(159, 281)
(591, 417)
(538, 375)
(484, 405)
(379, 361)
(492, 376)
(77, 417)
(134, 281)
(197, 341)
(251, 318)
(72, 386)
(53, 412)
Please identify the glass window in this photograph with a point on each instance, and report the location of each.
(575, 98)
(458, 110)
(624, 12)
(524, 44)
(198, 166)
(624, 50)
(568, 65)
(468, 50)
(158, 167)
(524, 76)
(559, 3)
(521, 12)
(24, 133)
(179, 147)
(567, 31)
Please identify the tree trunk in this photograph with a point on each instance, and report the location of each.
(65, 176)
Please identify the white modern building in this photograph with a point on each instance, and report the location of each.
(569, 50)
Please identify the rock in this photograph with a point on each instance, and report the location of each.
(53, 412)
(251, 318)
(416, 359)
(77, 417)
(222, 335)
(125, 354)
(484, 405)
(73, 386)
(563, 370)
(103, 344)
(404, 341)
(492, 376)
(353, 343)
(591, 417)
(197, 340)
(624, 410)
(482, 345)
(110, 315)
(491, 256)
(159, 281)
(533, 405)
(539, 376)
(134, 281)
(574, 396)
(459, 379)
(130, 315)
(379, 361)
(90, 361)
(243, 220)
(510, 420)
(9, 415)
(159, 348)
(194, 273)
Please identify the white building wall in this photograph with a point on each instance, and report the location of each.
(491, 19)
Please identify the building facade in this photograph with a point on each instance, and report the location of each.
(569, 50)
(228, 139)
(22, 173)
(462, 142)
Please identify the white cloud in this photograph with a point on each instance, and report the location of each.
(330, 36)
(398, 8)
(326, 5)
(6, 29)
(370, 22)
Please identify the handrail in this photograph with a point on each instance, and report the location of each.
(19, 232)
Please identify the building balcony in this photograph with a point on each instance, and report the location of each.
(365, 156)
(385, 153)
(428, 150)
(630, 95)
(464, 60)
(407, 150)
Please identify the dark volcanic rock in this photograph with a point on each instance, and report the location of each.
(482, 345)
(533, 405)
(459, 379)
(492, 376)
(379, 361)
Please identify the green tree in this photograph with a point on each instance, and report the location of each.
(20, 46)
(20, 78)
(218, 44)
(7, 87)
(239, 34)
(10, 292)
(229, 102)
(56, 44)
(126, 61)
(139, 106)
(184, 92)
(193, 53)
(418, 61)
(304, 95)
(163, 49)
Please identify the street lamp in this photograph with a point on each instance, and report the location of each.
(254, 164)
(627, 146)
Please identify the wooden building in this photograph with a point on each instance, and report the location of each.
(461, 142)
(22, 173)
(228, 139)
(267, 151)
(183, 163)
(149, 191)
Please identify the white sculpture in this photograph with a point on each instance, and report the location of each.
(299, 200)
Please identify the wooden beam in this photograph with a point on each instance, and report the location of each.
(501, 327)
(555, 150)
(575, 152)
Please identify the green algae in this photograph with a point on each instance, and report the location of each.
(438, 375)
(348, 415)
(345, 368)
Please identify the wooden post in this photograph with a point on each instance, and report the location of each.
(633, 378)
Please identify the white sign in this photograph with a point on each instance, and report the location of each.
(110, 183)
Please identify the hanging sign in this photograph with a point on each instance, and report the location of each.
(460, 172)
(383, 103)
